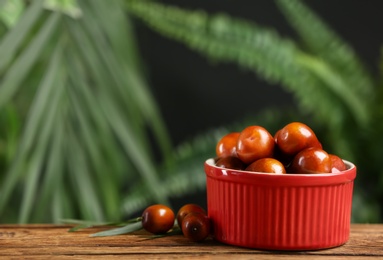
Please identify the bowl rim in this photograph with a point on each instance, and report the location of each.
(290, 179)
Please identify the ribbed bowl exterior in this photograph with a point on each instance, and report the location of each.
(291, 214)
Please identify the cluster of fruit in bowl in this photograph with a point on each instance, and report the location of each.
(293, 149)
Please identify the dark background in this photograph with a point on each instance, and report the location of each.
(195, 95)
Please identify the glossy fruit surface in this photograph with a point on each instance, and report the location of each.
(295, 137)
(311, 160)
(254, 142)
(268, 165)
(186, 209)
(157, 219)
(337, 164)
(196, 226)
(227, 145)
(230, 162)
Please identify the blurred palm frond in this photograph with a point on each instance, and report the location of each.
(88, 114)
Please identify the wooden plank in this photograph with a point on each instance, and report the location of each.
(45, 241)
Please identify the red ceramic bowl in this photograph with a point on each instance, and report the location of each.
(280, 211)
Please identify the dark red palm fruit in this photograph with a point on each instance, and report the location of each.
(295, 137)
(230, 162)
(158, 219)
(267, 165)
(337, 164)
(227, 145)
(196, 226)
(311, 160)
(254, 142)
(186, 209)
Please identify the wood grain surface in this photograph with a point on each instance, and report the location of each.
(55, 242)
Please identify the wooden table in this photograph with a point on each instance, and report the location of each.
(54, 242)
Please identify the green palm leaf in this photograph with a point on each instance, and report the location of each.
(326, 44)
(85, 136)
(49, 203)
(127, 133)
(274, 58)
(12, 41)
(43, 111)
(20, 68)
(9, 85)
